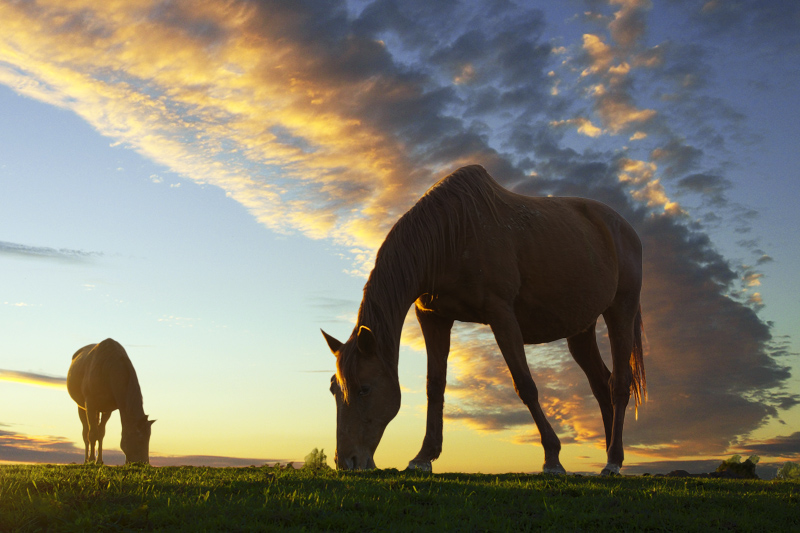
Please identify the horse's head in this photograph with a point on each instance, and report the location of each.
(136, 441)
(367, 398)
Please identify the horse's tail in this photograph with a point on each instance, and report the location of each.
(639, 382)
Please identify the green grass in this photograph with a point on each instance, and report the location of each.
(81, 498)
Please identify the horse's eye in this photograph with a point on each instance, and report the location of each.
(364, 390)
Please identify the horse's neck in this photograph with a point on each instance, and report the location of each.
(131, 407)
(386, 302)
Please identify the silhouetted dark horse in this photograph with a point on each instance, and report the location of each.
(101, 379)
(534, 269)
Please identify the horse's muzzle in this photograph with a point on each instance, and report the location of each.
(354, 462)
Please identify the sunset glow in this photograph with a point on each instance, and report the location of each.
(208, 183)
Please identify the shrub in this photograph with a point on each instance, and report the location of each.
(789, 471)
(316, 460)
(737, 468)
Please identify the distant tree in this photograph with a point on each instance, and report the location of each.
(316, 460)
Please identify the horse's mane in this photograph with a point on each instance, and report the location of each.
(413, 256)
(134, 393)
(129, 400)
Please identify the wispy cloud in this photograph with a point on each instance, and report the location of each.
(43, 252)
(31, 378)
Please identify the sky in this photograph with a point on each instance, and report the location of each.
(208, 182)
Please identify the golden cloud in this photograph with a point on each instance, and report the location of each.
(213, 106)
(584, 125)
(30, 378)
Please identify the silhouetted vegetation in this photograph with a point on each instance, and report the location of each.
(316, 460)
(788, 471)
(734, 467)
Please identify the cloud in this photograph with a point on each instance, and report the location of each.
(177, 321)
(787, 447)
(584, 125)
(676, 158)
(16, 447)
(20, 448)
(30, 378)
(331, 118)
(43, 252)
(711, 186)
(772, 26)
(628, 26)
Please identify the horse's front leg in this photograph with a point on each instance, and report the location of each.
(509, 338)
(101, 433)
(436, 331)
(93, 425)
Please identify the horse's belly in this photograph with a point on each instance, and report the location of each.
(540, 324)
(452, 307)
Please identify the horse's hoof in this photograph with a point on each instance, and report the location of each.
(419, 467)
(557, 470)
(610, 470)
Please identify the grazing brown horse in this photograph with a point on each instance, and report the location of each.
(534, 269)
(101, 379)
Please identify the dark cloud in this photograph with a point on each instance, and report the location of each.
(188, 20)
(710, 186)
(787, 447)
(43, 252)
(676, 158)
(770, 24)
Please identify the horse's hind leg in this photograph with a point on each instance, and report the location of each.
(509, 339)
(85, 433)
(436, 331)
(584, 350)
(620, 318)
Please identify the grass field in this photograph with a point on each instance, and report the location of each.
(82, 498)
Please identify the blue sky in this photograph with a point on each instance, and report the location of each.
(208, 185)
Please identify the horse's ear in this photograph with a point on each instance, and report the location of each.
(366, 341)
(333, 344)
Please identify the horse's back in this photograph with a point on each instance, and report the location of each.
(96, 374)
(559, 260)
(77, 372)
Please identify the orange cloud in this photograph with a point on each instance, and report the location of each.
(220, 81)
(617, 110)
(584, 125)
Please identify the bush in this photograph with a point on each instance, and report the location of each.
(736, 468)
(316, 460)
(789, 471)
